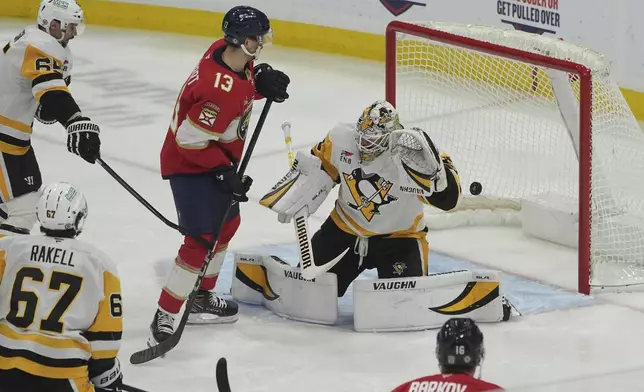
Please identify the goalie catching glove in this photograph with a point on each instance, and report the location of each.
(82, 138)
(420, 158)
(306, 185)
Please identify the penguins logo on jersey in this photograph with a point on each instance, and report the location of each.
(369, 191)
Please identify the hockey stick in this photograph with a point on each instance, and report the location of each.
(300, 222)
(129, 388)
(222, 376)
(202, 241)
(223, 385)
(163, 347)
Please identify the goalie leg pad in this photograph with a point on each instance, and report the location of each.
(268, 281)
(408, 304)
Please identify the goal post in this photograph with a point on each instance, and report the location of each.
(525, 115)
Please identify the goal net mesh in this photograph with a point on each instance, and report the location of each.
(507, 127)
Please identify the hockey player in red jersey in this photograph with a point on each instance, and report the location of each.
(199, 157)
(459, 349)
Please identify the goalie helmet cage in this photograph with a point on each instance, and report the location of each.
(526, 115)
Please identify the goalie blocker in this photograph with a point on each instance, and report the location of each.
(400, 304)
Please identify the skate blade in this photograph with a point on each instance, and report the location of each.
(204, 318)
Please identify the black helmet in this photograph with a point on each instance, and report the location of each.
(242, 22)
(459, 346)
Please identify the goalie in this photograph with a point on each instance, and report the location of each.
(386, 174)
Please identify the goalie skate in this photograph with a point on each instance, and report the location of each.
(210, 308)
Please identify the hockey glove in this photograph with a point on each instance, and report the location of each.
(271, 83)
(235, 185)
(109, 380)
(44, 117)
(83, 140)
(420, 157)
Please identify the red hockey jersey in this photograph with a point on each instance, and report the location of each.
(210, 118)
(458, 382)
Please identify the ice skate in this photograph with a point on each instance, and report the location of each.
(161, 328)
(210, 308)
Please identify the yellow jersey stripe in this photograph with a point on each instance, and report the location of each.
(35, 368)
(44, 340)
(13, 124)
(13, 150)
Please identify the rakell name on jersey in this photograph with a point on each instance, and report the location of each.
(436, 386)
(46, 254)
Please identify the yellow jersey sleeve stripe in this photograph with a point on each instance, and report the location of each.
(37, 63)
(44, 340)
(109, 317)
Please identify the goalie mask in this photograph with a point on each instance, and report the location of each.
(373, 127)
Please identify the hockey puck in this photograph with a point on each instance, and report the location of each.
(476, 188)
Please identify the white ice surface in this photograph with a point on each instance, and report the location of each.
(128, 81)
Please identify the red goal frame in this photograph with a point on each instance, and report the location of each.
(585, 113)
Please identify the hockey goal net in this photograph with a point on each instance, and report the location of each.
(526, 115)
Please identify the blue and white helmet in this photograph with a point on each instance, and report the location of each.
(62, 207)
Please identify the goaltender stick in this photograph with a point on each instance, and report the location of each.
(387, 174)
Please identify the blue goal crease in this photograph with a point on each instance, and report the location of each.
(528, 296)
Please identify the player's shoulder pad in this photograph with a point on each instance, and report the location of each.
(343, 136)
(40, 44)
(97, 256)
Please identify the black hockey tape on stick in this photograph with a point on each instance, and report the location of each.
(223, 385)
(202, 241)
(165, 346)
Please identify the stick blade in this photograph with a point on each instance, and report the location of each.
(222, 375)
(155, 352)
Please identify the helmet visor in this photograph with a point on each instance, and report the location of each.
(265, 39)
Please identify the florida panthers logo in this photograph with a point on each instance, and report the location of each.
(369, 191)
(398, 7)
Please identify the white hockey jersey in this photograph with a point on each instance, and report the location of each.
(378, 198)
(60, 306)
(30, 65)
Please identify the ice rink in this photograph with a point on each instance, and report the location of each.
(128, 81)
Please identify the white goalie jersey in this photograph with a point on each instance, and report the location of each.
(383, 197)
